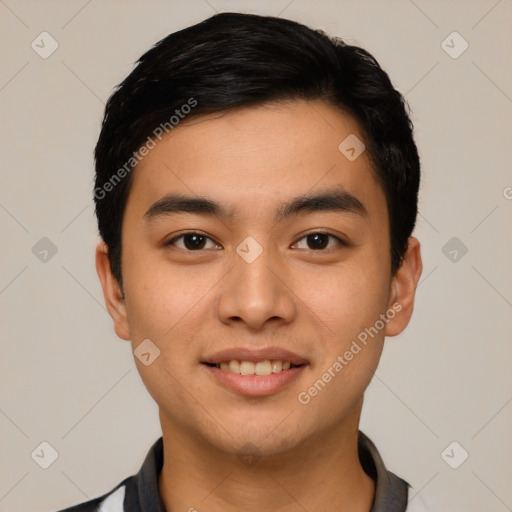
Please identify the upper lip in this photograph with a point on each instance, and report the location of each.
(255, 355)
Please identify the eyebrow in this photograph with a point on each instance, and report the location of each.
(330, 200)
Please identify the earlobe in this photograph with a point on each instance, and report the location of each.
(112, 292)
(405, 284)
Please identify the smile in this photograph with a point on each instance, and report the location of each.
(261, 368)
(266, 382)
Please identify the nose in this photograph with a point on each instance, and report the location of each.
(257, 293)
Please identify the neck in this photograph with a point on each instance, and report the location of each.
(321, 470)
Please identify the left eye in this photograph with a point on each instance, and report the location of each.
(318, 241)
(193, 242)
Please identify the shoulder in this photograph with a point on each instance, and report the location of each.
(112, 501)
(135, 493)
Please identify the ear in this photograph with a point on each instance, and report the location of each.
(112, 292)
(403, 289)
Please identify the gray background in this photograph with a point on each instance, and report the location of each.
(65, 377)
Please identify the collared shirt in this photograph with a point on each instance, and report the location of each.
(139, 493)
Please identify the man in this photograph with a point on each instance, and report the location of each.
(256, 191)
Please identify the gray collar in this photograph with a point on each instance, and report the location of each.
(390, 490)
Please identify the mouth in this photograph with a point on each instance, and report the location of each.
(255, 373)
(260, 368)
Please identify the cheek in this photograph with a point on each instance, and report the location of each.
(169, 309)
(348, 302)
(160, 297)
(172, 307)
(347, 298)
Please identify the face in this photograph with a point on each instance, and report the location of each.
(249, 236)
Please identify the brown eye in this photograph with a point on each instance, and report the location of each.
(319, 241)
(192, 242)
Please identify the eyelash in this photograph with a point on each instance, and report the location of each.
(341, 242)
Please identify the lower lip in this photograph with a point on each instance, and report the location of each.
(255, 385)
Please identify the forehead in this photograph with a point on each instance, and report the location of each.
(256, 156)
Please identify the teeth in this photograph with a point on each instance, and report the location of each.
(277, 366)
(234, 366)
(246, 368)
(262, 368)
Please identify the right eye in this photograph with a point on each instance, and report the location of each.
(192, 242)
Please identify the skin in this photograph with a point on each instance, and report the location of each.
(312, 302)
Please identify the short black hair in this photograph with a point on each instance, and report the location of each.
(233, 60)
